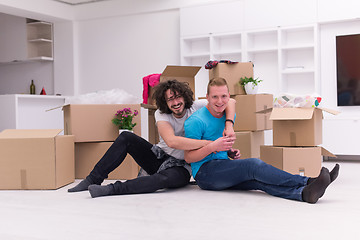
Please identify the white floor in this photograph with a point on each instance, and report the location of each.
(188, 213)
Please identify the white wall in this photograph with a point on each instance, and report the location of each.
(117, 52)
(18, 77)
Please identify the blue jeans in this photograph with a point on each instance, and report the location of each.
(250, 174)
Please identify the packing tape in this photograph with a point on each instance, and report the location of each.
(292, 136)
(266, 118)
(23, 179)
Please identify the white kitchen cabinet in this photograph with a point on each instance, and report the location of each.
(23, 111)
(331, 11)
(212, 18)
(13, 38)
(261, 14)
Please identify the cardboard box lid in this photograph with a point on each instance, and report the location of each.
(291, 113)
(294, 113)
(324, 152)
(180, 71)
(29, 133)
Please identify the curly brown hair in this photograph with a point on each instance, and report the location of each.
(180, 88)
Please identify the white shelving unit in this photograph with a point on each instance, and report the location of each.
(40, 40)
(286, 58)
(299, 59)
(262, 49)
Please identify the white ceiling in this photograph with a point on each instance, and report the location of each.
(76, 2)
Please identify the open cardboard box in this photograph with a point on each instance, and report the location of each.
(180, 73)
(297, 126)
(306, 161)
(92, 122)
(36, 159)
(232, 74)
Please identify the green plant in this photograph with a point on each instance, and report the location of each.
(244, 80)
(123, 118)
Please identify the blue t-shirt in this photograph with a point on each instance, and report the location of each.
(202, 125)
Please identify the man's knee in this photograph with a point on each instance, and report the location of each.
(176, 177)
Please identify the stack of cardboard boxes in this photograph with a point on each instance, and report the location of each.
(249, 126)
(297, 132)
(95, 133)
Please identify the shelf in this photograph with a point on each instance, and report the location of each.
(299, 36)
(297, 71)
(41, 58)
(40, 40)
(196, 55)
(262, 40)
(298, 47)
(226, 43)
(35, 59)
(32, 96)
(196, 46)
(230, 52)
(262, 50)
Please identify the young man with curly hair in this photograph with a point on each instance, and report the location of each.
(164, 162)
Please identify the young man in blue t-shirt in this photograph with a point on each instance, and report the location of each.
(213, 170)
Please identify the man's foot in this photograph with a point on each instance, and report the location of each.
(333, 174)
(82, 186)
(315, 190)
(99, 191)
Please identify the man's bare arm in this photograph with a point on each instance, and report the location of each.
(167, 133)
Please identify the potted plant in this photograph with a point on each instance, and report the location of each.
(123, 119)
(250, 84)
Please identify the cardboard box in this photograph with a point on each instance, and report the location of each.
(92, 122)
(232, 74)
(89, 153)
(297, 126)
(180, 73)
(249, 143)
(36, 159)
(246, 107)
(304, 161)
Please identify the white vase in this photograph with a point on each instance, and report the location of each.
(251, 88)
(125, 130)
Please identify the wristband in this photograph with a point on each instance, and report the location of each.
(229, 120)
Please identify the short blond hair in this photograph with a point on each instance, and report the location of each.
(217, 81)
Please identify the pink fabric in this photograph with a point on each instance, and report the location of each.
(149, 80)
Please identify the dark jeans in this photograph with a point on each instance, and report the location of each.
(250, 174)
(140, 150)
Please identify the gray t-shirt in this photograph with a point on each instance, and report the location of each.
(178, 126)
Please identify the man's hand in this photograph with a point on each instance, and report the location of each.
(234, 153)
(222, 144)
(229, 130)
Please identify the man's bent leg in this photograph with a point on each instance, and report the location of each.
(127, 142)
